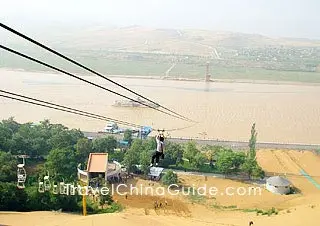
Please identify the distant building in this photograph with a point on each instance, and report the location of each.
(278, 185)
(110, 127)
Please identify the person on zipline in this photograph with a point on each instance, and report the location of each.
(159, 152)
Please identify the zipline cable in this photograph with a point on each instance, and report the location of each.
(96, 116)
(86, 68)
(73, 111)
(77, 77)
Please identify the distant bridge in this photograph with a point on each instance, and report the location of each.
(239, 145)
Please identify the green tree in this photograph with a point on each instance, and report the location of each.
(225, 162)
(251, 167)
(64, 202)
(105, 144)
(105, 199)
(258, 172)
(127, 136)
(117, 155)
(84, 148)
(21, 142)
(38, 140)
(12, 198)
(150, 144)
(212, 151)
(45, 128)
(62, 163)
(132, 155)
(252, 142)
(170, 178)
(190, 152)
(31, 140)
(238, 159)
(8, 167)
(211, 154)
(145, 161)
(5, 137)
(130, 159)
(11, 124)
(199, 160)
(248, 166)
(61, 136)
(38, 201)
(173, 154)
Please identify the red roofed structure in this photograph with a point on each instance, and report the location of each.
(98, 166)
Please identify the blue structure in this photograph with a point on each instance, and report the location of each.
(145, 131)
(124, 143)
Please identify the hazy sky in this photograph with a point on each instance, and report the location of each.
(291, 18)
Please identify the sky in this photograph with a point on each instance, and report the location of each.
(275, 18)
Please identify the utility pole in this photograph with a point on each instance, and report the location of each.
(207, 77)
(84, 205)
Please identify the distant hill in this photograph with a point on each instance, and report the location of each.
(143, 39)
(136, 38)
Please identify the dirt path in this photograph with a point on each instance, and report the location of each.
(167, 73)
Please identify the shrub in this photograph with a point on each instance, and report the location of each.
(170, 178)
(12, 198)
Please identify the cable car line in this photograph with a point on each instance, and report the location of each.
(77, 77)
(86, 68)
(73, 109)
(70, 111)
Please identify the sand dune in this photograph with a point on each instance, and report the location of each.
(299, 216)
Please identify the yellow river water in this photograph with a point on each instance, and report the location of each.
(225, 111)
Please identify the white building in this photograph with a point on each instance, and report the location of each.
(278, 185)
(155, 173)
(110, 127)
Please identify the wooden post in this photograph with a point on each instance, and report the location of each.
(84, 205)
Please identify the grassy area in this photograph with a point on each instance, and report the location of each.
(216, 206)
(193, 195)
(198, 71)
(263, 212)
(95, 208)
(101, 64)
(153, 67)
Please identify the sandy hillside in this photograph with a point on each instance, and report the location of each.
(295, 210)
